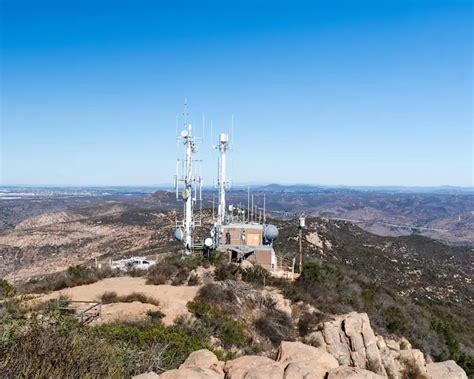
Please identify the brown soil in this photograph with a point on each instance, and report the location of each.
(173, 299)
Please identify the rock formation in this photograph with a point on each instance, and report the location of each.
(345, 347)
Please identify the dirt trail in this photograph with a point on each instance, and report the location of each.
(173, 299)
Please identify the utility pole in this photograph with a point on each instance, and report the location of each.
(301, 227)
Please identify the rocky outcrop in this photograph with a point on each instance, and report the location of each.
(442, 370)
(300, 361)
(351, 340)
(201, 364)
(346, 372)
(345, 347)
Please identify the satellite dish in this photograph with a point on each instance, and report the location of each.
(185, 194)
(184, 133)
(178, 234)
(208, 242)
(270, 233)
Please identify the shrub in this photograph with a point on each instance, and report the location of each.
(155, 316)
(275, 324)
(161, 273)
(109, 297)
(57, 346)
(308, 321)
(256, 275)
(112, 297)
(229, 331)
(6, 289)
(180, 277)
(194, 280)
(226, 271)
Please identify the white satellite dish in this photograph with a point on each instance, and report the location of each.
(184, 133)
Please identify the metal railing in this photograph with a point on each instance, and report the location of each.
(91, 312)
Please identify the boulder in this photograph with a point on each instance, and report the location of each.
(204, 359)
(444, 370)
(238, 368)
(305, 369)
(192, 373)
(350, 339)
(304, 361)
(346, 372)
(268, 371)
(147, 375)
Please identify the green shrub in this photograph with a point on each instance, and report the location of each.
(276, 325)
(57, 346)
(229, 331)
(256, 275)
(226, 271)
(112, 297)
(6, 289)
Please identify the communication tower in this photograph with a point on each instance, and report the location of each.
(188, 186)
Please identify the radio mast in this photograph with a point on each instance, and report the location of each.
(191, 186)
(221, 181)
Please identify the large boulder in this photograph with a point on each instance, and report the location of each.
(350, 339)
(239, 368)
(445, 370)
(204, 359)
(147, 375)
(346, 372)
(200, 364)
(192, 373)
(304, 361)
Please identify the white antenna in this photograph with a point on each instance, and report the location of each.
(248, 203)
(264, 209)
(222, 179)
(190, 191)
(253, 211)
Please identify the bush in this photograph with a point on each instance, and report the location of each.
(73, 276)
(109, 297)
(155, 316)
(57, 346)
(6, 289)
(256, 275)
(112, 297)
(276, 325)
(194, 280)
(161, 273)
(229, 331)
(180, 277)
(226, 271)
(308, 321)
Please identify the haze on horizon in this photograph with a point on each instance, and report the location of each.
(324, 92)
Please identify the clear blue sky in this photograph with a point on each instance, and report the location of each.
(330, 92)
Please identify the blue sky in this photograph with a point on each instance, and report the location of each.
(328, 92)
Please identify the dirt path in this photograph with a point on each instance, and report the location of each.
(173, 299)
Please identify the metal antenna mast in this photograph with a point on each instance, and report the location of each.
(189, 195)
(222, 180)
